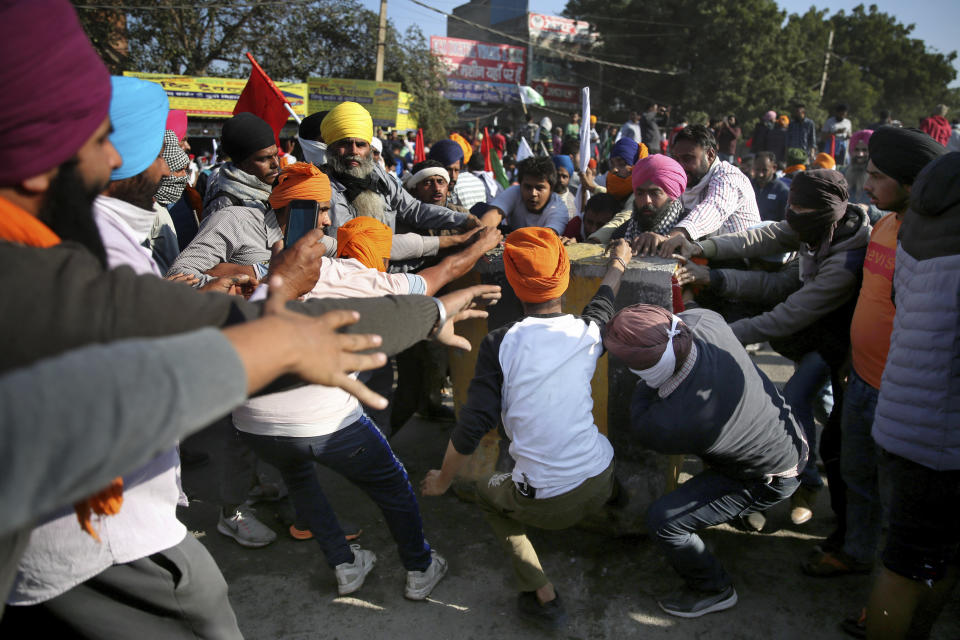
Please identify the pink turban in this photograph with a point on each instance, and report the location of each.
(57, 88)
(663, 171)
(770, 116)
(177, 122)
(860, 136)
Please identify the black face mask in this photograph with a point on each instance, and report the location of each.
(812, 226)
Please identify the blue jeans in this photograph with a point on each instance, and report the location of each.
(800, 392)
(858, 462)
(359, 453)
(707, 499)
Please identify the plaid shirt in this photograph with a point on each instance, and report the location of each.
(727, 204)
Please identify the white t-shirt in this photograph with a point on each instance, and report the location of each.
(315, 410)
(553, 216)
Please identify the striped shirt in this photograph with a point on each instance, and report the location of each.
(723, 202)
(469, 190)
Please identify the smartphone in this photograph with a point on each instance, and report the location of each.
(303, 218)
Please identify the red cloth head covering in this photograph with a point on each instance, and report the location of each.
(536, 264)
(57, 88)
(366, 240)
(860, 136)
(638, 336)
(663, 171)
(177, 122)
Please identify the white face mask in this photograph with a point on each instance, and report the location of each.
(313, 151)
(655, 376)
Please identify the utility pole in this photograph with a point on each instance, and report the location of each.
(382, 40)
(826, 63)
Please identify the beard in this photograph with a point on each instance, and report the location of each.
(648, 217)
(340, 167)
(137, 190)
(694, 178)
(67, 209)
(856, 175)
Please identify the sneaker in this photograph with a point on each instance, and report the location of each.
(244, 527)
(421, 583)
(350, 575)
(691, 603)
(266, 492)
(755, 521)
(550, 616)
(801, 504)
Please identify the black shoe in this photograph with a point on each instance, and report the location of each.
(691, 603)
(551, 616)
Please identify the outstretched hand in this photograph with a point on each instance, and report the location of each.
(464, 304)
(680, 245)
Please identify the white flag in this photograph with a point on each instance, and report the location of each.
(585, 129)
(529, 95)
(524, 151)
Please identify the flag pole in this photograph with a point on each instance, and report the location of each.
(272, 84)
(291, 111)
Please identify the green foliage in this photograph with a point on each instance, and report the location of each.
(747, 56)
(292, 42)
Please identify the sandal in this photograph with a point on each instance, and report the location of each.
(856, 625)
(834, 563)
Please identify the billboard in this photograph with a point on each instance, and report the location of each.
(545, 28)
(381, 99)
(404, 117)
(558, 95)
(471, 65)
(203, 97)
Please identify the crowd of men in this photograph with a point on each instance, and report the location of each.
(303, 289)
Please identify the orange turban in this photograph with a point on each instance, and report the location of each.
(593, 119)
(619, 187)
(300, 181)
(794, 168)
(783, 121)
(366, 240)
(824, 161)
(536, 264)
(467, 149)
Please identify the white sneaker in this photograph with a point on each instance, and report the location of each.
(421, 583)
(350, 575)
(244, 527)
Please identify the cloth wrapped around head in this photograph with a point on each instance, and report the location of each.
(640, 334)
(138, 112)
(347, 120)
(783, 121)
(300, 181)
(824, 191)
(564, 162)
(593, 120)
(860, 136)
(824, 161)
(244, 134)
(626, 149)
(177, 122)
(446, 152)
(536, 264)
(57, 88)
(366, 240)
(464, 147)
(413, 179)
(770, 116)
(663, 171)
(171, 187)
(902, 153)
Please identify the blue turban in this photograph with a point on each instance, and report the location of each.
(138, 113)
(446, 152)
(626, 148)
(563, 162)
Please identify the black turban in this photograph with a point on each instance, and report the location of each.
(902, 153)
(310, 126)
(823, 190)
(931, 226)
(244, 134)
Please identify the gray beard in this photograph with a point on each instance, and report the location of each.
(370, 204)
(856, 175)
(339, 165)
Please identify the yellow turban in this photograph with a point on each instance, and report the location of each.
(467, 149)
(536, 264)
(593, 119)
(366, 240)
(300, 181)
(824, 161)
(347, 120)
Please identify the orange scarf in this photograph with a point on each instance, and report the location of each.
(16, 225)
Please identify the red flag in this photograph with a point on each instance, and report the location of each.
(485, 148)
(419, 155)
(262, 98)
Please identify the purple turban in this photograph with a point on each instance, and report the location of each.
(663, 171)
(57, 88)
(446, 152)
(627, 149)
(639, 335)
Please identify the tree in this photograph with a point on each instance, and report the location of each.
(292, 42)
